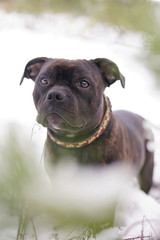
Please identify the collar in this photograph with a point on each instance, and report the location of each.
(93, 137)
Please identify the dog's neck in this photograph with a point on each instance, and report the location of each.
(103, 125)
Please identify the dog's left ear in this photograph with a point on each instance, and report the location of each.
(32, 68)
(109, 71)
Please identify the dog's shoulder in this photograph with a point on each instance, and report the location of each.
(132, 121)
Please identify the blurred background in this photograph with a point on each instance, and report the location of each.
(125, 31)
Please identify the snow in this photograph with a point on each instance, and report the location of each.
(24, 37)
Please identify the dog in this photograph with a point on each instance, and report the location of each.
(69, 98)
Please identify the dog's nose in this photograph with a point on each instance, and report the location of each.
(56, 95)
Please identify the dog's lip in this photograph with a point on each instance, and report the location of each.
(74, 127)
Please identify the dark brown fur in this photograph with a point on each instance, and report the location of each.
(73, 113)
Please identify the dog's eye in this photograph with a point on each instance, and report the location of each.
(84, 84)
(44, 81)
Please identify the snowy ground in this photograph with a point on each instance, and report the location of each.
(23, 37)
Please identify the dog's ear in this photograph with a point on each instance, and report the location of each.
(32, 68)
(109, 71)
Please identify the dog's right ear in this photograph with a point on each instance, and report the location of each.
(32, 68)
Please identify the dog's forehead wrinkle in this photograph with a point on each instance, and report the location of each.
(69, 70)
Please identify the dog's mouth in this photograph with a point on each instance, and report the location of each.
(61, 125)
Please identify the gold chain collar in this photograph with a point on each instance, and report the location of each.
(96, 135)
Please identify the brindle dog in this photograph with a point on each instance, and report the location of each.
(69, 98)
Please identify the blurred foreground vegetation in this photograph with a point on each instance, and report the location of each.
(139, 16)
(78, 198)
(78, 203)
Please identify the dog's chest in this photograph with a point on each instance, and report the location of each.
(98, 152)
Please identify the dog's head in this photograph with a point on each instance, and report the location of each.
(68, 94)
